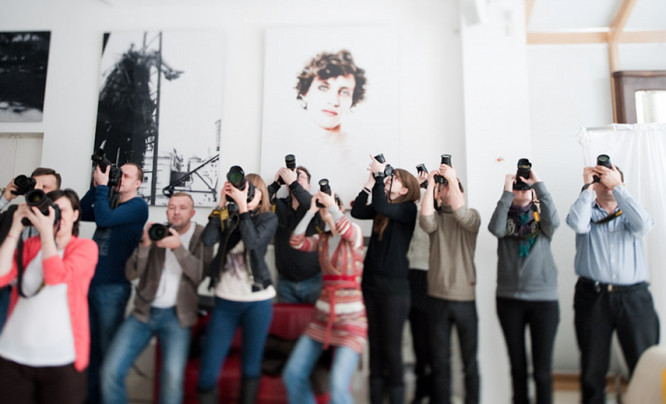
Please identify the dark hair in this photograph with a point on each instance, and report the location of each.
(39, 171)
(306, 171)
(73, 199)
(139, 171)
(413, 195)
(326, 65)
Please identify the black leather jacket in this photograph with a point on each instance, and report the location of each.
(256, 231)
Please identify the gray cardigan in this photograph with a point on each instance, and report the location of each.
(526, 278)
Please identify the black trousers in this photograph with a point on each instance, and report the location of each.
(442, 315)
(542, 317)
(418, 324)
(386, 319)
(42, 385)
(601, 309)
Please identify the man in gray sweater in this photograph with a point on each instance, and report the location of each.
(453, 229)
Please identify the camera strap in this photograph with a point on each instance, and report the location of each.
(610, 217)
(21, 270)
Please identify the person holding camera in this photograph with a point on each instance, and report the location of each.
(241, 281)
(299, 276)
(385, 283)
(118, 232)
(169, 264)
(524, 222)
(339, 319)
(612, 289)
(453, 229)
(53, 272)
(45, 179)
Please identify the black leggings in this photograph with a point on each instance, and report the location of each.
(542, 317)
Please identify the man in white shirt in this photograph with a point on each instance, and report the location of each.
(169, 270)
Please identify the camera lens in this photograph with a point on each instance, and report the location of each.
(380, 158)
(290, 161)
(446, 159)
(35, 197)
(324, 186)
(158, 231)
(235, 176)
(604, 160)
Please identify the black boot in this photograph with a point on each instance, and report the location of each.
(396, 395)
(208, 396)
(376, 391)
(249, 391)
(422, 389)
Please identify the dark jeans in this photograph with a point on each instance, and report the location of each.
(41, 385)
(254, 318)
(107, 305)
(598, 311)
(418, 323)
(386, 319)
(305, 291)
(442, 315)
(542, 317)
(5, 293)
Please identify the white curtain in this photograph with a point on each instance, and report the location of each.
(639, 150)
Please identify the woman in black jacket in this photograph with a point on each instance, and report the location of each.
(385, 282)
(242, 284)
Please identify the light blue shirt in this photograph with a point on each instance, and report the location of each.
(611, 252)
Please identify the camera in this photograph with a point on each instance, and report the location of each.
(290, 163)
(41, 201)
(525, 171)
(236, 176)
(388, 170)
(158, 231)
(324, 187)
(421, 168)
(23, 184)
(602, 160)
(115, 173)
(439, 179)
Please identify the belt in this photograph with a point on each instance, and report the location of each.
(610, 287)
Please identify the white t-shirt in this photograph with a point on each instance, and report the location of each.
(39, 330)
(167, 291)
(235, 282)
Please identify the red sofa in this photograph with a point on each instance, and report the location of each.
(289, 321)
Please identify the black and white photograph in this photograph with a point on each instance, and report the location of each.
(24, 58)
(331, 98)
(151, 113)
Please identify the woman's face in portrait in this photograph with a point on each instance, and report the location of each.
(327, 101)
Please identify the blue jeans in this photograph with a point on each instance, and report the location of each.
(305, 291)
(107, 305)
(254, 318)
(296, 374)
(129, 342)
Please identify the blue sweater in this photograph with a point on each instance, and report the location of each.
(118, 232)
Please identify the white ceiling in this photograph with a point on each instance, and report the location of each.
(557, 15)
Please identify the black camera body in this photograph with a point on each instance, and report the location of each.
(602, 160)
(24, 184)
(236, 176)
(440, 179)
(38, 198)
(388, 170)
(324, 187)
(421, 168)
(290, 163)
(525, 171)
(158, 231)
(115, 173)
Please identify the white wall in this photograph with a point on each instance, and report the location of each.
(430, 78)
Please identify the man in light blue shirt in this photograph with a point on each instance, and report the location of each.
(612, 290)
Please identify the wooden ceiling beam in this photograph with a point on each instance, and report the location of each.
(529, 5)
(577, 37)
(621, 18)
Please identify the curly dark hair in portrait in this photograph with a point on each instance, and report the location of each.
(326, 65)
